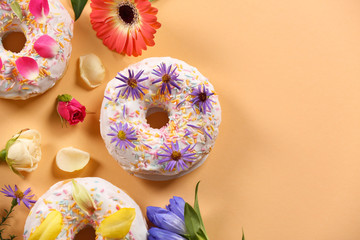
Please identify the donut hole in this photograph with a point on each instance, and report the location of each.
(87, 233)
(157, 117)
(14, 41)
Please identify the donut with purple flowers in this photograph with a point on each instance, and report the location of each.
(164, 86)
(35, 46)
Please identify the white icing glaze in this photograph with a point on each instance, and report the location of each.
(142, 160)
(106, 196)
(58, 25)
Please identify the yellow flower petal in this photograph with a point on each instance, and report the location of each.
(118, 224)
(50, 228)
(82, 198)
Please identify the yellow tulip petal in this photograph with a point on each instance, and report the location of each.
(82, 198)
(50, 228)
(118, 224)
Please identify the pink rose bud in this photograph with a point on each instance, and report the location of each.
(70, 109)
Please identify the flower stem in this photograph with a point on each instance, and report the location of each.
(13, 204)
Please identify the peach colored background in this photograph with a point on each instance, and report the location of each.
(286, 164)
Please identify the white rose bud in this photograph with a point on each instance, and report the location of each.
(22, 151)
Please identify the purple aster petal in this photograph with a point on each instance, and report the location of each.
(185, 149)
(173, 71)
(207, 133)
(130, 135)
(190, 125)
(108, 98)
(170, 166)
(131, 86)
(18, 195)
(171, 76)
(164, 160)
(179, 162)
(175, 85)
(147, 146)
(139, 74)
(122, 85)
(168, 87)
(163, 88)
(156, 81)
(199, 95)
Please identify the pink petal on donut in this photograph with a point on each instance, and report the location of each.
(27, 67)
(0, 64)
(39, 8)
(46, 46)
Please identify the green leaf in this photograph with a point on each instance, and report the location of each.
(192, 222)
(197, 210)
(78, 6)
(64, 97)
(3, 154)
(243, 236)
(201, 234)
(196, 204)
(13, 139)
(16, 9)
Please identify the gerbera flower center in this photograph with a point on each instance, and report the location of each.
(166, 78)
(127, 13)
(176, 155)
(132, 83)
(19, 194)
(121, 135)
(202, 97)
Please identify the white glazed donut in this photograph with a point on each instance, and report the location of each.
(44, 58)
(108, 200)
(184, 142)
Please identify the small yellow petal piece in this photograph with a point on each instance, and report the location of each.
(118, 224)
(50, 228)
(82, 198)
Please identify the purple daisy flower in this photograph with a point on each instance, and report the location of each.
(176, 157)
(201, 98)
(19, 195)
(132, 84)
(167, 77)
(123, 135)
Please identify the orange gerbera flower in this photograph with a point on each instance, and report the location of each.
(125, 26)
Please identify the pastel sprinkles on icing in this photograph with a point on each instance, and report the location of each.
(15, 80)
(193, 122)
(108, 199)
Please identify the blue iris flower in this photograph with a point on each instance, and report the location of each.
(166, 219)
(161, 234)
(177, 206)
(170, 221)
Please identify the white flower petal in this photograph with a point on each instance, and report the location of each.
(70, 159)
(18, 153)
(31, 134)
(92, 70)
(25, 153)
